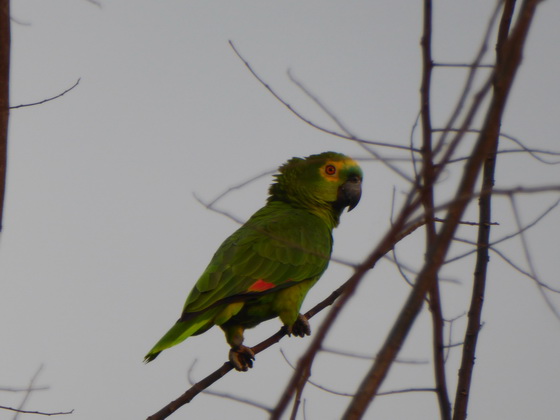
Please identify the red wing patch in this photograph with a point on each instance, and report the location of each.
(260, 286)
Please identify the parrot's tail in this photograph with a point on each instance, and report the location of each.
(181, 331)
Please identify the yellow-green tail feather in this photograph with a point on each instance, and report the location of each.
(181, 331)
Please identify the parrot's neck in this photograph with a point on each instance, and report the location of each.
(323, 211)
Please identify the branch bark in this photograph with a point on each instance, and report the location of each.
(428, 205)
(4, 97)
(482, 259)
(504, 75)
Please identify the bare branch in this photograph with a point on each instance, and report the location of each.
(345, 129)
(42, 413)
(369, 357)
(529, 260)
(19, 22)
(225, 395)
(523, 149)
(28, 393)
(48, 99)
(95, 2)
(520, 270)
(5, 43)
(504, 238)
(504, 76)
(508, 53)
(351, 394)
(302, 118)
(10, 389)
(465, 93)
(464, 65)
(427, 180)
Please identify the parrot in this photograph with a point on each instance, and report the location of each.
(265, 268)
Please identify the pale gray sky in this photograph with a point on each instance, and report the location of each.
(103, 238)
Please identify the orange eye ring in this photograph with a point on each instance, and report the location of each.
(330, 169)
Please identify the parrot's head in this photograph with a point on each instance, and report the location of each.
(324, 184)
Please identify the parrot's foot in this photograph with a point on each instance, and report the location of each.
(241, 358)
(301, 327)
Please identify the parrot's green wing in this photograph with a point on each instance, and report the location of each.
(277, 248)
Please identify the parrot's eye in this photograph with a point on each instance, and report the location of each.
(330, 169)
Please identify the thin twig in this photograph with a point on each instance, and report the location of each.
(370, 357)
(42, 413)
(427, 179)
(238, 186)
(533, 152)
(506, 237)
(351, 394)
(48, 99)
(5, 43)
(464, 65)
(465, 93)
(28, 393)
(95, 2)
(346, 130)
(10, 389)
(225, 395)
(504, 75)
(508, 53)
(306, 120)
(529, 260)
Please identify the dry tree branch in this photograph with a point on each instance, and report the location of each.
(28, 393)
(209, 206)
(369, 357)
(42, 413)
(400, 267)
(30, 388)
(48, 99)
(468, 223)
(506, 237)
(503, 76)
(227, 396)
(465, 92)
(428, 181)
(350, 394)
(496, 191)
(347, 131)
(508, 261)
(524, 149)
(533, 152)
(4, 96)
(449, 344)
(306, 120)
(239, 186)
(11, 389)
(529, 260)
(95, 2)
(464, 65)
(509, 48)
(481, 265)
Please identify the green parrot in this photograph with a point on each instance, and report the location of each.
(265, 268)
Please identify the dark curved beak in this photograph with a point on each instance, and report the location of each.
(349, 193)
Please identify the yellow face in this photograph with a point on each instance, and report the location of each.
(331, 170)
